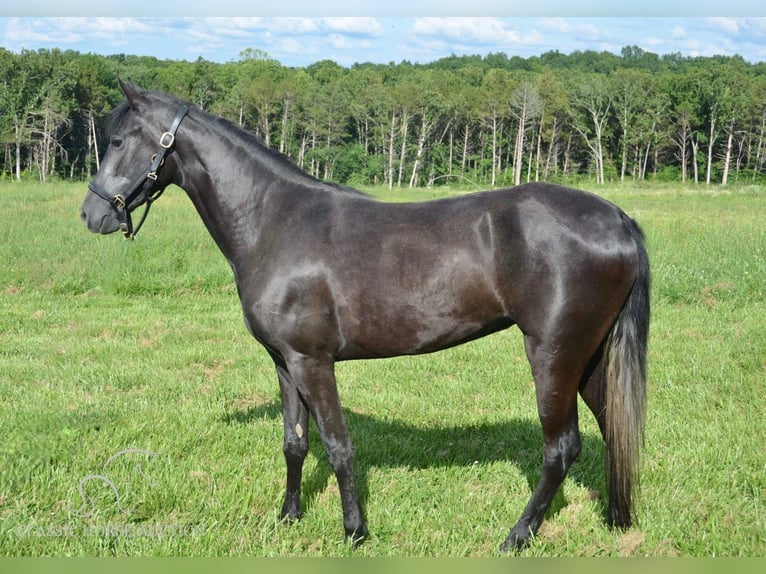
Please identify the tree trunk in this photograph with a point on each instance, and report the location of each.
(683, 149)
(45, 149)
(759, 147)
(518, 150)
(495, 153)
(301, 152)
(392, 134)
(727, 158)
(17, 128)
(538, 153)
(710, 142)
(530, 159)
(283, 135)
(424, 128)
(695, 151)
(566, 155)
(624, 166)
(403, 153)
(599, 150)
(552, 145)
(464, 158)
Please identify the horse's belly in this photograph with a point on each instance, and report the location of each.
(421, 320)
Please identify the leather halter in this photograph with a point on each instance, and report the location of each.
(146, 182)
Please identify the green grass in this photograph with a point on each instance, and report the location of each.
(107, 345)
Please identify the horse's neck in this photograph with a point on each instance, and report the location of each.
(230, 203)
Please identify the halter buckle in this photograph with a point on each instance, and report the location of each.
(167, 139)
(120, 204)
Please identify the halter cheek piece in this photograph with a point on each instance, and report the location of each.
(145, 182)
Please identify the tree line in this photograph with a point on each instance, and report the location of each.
(483, 121)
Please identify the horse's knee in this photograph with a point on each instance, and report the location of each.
(295, 450)
(341, 458)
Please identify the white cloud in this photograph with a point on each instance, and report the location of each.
(692, 47)
(730, 25)
(470, 30)
(339, 42)
(244, 26)
(121, 26)
(534, 38)
(576, 27)
(354, 25)
(290, 25)
(678, 33)
(64, 32)
(293, 25)
(756, 26)
(293, 46)
(24, 30)
(556, 25)
(286, 37)
(300, 40)
(226, 27)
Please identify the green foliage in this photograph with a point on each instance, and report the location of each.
(354, 166)
(638, 112)
(108, 345)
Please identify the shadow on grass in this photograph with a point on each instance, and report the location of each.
(381, 442)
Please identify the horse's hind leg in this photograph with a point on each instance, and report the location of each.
(314, 380)
(296, 443)
(593, 390)
(556, 384)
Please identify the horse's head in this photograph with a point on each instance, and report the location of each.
(133, 172)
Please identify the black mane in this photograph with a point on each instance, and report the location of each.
(251, 142)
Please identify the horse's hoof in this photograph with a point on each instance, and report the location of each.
(357, 537)
(515, 542)
(289, 518)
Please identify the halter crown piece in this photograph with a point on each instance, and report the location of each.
(147, 179)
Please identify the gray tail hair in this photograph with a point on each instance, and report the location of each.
(625, 364)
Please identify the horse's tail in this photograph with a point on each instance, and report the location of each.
(625, 364)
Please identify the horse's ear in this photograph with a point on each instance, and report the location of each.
(132, 92)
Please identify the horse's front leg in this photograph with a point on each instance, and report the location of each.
(315, 380)
(296, 443)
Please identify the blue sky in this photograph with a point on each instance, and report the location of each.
(220, 35)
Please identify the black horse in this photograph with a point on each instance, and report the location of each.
(326, 273)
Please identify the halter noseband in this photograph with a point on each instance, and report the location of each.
(121, 204)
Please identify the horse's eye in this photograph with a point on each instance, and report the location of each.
(116, 142)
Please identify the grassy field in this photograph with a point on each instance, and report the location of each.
(140, 418)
